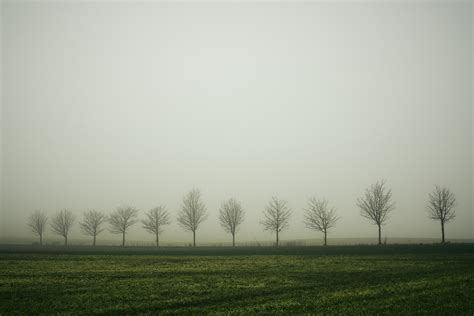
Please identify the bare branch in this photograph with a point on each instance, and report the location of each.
(156, 218)
(37, 223)
(62, 223)
(121, 220)
(376, 205)
(276, 216)
(92, 223)
(319, 217)
(231, 216)
(193, 213)
(441, 204)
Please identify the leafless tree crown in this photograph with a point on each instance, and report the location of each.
(276, 215)
(92, 223)
(193, 211)
(122, 219)
(441, 204)
(231, 215)
(377, 204)
(37, 223)
(62, 222)
(318, 215)
(156, 218)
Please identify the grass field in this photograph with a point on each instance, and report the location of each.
(348, 280)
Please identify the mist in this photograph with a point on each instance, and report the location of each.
(111, 104)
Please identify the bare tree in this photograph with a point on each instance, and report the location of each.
(62, 223)
(376, 205)
(276, 217)
(319, 217)
(156, 218)
(121, 220)
(193, 213)
(441, 205)
(231, 216)
(37, 223)
(92, 224)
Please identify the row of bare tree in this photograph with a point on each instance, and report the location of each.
(375, 205)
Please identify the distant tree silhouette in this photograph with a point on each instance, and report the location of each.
(92, 223)
(122, 219)
(319, 217)
(441, 204)
(276, 217)
(376, 205)
(37, 223)
(62, 223)
(156, 218)
(231, 215)
(193, 213)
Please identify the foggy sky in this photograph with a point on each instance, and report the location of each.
(111, 104)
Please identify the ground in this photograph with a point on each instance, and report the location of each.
(349, 280)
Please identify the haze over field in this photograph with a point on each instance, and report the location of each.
(111, 104)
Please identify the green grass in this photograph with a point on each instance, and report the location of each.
(436, 282)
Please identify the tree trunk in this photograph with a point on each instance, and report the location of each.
(233, 240)
(380, 234)
(157, 241)
(194, 238)
(41, 239)
(93, 242)
(277, 238)
(65, 240)
(325, 238)
(442, 232)
(123, 239)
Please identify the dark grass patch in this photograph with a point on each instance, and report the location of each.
(402, 283)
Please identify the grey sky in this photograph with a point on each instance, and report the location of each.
(109, 104)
